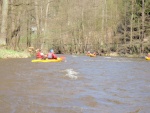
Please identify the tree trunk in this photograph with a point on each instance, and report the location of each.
(102, 28)
(125, 27)
(37, 18)
(143, 28)
(131, 24)
(45, 24)
(4, 22)
(106, 28)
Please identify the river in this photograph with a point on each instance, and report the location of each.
(80, 84)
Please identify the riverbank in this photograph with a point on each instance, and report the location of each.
(5, 53)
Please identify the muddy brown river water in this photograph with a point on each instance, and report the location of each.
(80, 84)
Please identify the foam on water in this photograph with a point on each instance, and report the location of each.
(71, 73)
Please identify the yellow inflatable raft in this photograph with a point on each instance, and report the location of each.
(147, 58)
(91, 55)
(48, 60)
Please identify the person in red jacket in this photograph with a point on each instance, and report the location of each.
(39, 54)
(51, 55)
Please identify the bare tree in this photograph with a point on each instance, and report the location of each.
(143, 24)
(4, 22)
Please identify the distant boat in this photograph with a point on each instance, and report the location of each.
(91, 55)
(147, 58)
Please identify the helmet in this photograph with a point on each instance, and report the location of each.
(52, 51)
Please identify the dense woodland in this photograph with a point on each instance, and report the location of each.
(76, 26)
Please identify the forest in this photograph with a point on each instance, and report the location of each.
(76, 26)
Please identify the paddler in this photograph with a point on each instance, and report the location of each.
(39, 54)
(148, 55)
(51, 54)
(88, 53)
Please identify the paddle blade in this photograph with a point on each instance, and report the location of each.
(62, 57)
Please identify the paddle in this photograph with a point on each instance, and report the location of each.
(62, 57)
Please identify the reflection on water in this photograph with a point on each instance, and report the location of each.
(81, 84)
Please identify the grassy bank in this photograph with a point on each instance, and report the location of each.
(4, 53)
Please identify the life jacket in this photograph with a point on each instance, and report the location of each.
(49, 55)
(38, 55)
(54, 56)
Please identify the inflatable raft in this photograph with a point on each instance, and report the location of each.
(147, 58)
(59, 59)
(91, 55)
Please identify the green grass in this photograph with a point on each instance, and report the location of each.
(4, 53)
